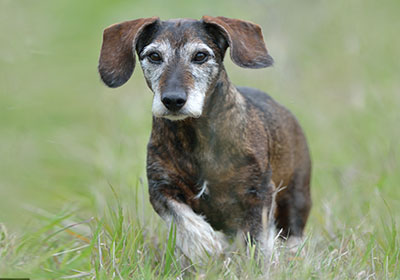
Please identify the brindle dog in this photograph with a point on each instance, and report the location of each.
(216, 151)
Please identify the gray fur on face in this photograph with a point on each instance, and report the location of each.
(202, 75)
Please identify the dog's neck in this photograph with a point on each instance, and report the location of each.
(224, 110)
(223, 98)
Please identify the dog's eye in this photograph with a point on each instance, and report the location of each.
(200, 57)
(155, 57)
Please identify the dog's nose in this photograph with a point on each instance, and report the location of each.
(174, 100)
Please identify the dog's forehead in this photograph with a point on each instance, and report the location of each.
(180, 31)
(180, 21)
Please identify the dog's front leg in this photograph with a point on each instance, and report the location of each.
(194, 235)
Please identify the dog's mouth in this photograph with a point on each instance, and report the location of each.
(175, 116)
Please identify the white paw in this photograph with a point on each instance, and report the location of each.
(194, 236)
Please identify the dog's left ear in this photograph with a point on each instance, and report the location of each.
(245, 40)
(117, 56)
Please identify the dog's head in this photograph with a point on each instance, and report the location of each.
(181, 59)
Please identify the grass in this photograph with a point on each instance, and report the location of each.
(73, 193)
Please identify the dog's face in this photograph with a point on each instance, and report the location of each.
(181, 59)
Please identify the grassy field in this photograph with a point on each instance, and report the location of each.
(73, 190)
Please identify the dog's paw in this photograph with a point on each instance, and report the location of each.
(294, 245)
(194, 236)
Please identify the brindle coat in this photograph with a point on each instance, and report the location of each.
(242, 144)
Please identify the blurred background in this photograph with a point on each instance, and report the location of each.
(65, 138)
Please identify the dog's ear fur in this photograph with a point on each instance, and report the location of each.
(117, 56)
(245, 39)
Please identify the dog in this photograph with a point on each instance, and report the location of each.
(216, 152)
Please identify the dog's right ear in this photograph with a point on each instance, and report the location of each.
(117, 56)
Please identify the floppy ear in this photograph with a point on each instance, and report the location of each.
(117, 56)
(245, 41)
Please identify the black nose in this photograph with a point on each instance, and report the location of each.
(174, 100)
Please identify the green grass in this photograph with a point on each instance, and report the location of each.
(73, 190)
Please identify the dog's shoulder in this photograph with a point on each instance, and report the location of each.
(258, 99)
(270, 111)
